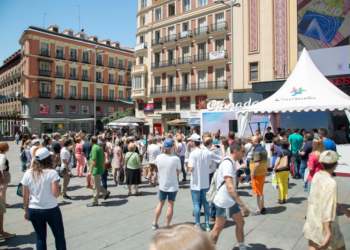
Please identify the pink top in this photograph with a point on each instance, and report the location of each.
(315, 164)
(78, 148)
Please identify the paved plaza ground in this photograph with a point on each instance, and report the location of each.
(124, 222)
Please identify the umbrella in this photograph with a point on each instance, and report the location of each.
(177, 122)
(129, 119)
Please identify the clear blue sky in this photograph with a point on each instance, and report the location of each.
(113, 19)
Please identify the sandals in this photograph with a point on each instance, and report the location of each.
(279, 201)
(137, 194)
(129, 194)
(255, 213)
(8, 206)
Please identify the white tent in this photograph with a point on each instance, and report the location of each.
(306, 89)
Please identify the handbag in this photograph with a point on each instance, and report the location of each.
(20, 190)
(274, 181)
(283, 165)
(122, 175)
(108, 164)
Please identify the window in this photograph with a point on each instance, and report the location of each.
(46, 66)
(73, 73)
(95, 39)
(157, 106)
(70, 33)
(143, 4)
(141, 60)
(99, 110)
(108, 42)
(170, 105)
(59, 109)
(44, 49)
(201, 52)
(99, 59)
(157, 83)
(120, 95)
(120, 80)
(158, 14)
(85, 57)
(59, 71)
(128, 92)
(99, 94)
(85, 93)
(85, 76)
(171, 10)
(219, 45)
(141, 39)
(138, 83)
(254, 71)
(73, 55)
(84, 110)
(220, 83)
(129, 66)
(59, 91)
(185, 27)
(82, 36)
(143, 20)
(72, 92)
(111, 62)
(202, 80)
(186, 5)
(121, 64)
(98, 77)
(111, 78)
(111, 95)
(185, 105)
(202, 2)
(140, 106)
(59, 52)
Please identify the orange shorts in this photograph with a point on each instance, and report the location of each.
(153, 168)
(258, 184)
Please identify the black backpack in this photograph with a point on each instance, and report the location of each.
(22, 156)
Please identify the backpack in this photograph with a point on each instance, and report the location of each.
(212, 189)
(22, 156)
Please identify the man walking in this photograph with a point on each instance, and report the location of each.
(153, 151)
(305, 152)
(97, 160)
(169, 166)
(296, 140)
(258, 168)
(328, 143)
(86, 153)
(226, 198)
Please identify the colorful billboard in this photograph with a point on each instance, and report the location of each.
(44, 109)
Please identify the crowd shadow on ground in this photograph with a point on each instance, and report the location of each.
(258, 246)
(19, 240)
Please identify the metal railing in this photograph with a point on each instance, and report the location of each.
(85, 60)
(73, 58)
(59, 75)
(185, 34)
(59, 96)
(99, 63)
(170, 38)
(73, 97)
(85, 78)
(99, 79)
(98, 98)
(74, 77)
(111, 65)
(121, 83)
(111, 81)
(44, 94)
(129, 83)
(206, 57)
(44, 73)
(214, 85)
(59, 55)
(85, 97)
(109, 99)
(184, 60)
(163, 64)
(44, 52)
(201, 31)
(219, 26)
(157, 41)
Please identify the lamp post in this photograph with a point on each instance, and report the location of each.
(231, 5)
(96, 53)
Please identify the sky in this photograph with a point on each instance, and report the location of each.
(113, 19)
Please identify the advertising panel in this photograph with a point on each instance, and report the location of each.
(44, 109)
(73, 109)
(110, 110)
(99, 110)
(148, 107)
(59, 109)
(85, 110)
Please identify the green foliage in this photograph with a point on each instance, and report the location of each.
(118, 115)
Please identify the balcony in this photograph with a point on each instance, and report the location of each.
(111, 65)
(73, 97)
(99, 63)
(99, 79)
(140, 46)
(216, 55)
(74, 77)
(185, 34)
(98, 98)
(163, 64)
(85, 78)
(221, 26)
(73, 58)
(121, 66)
(85, 97)
(59, 75)
(184, 60)
(129, 83)
(44, 73)
(121, 83)
(44, 52)
(111, 81)
(85, 60)
(157, 41)
(44, 94)
(109, 98)
(201, 31)
(191, 87)
(59, 55)
(170, 38)
(59, 96)
(139, 69)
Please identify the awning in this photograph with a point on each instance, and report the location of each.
(129, 101)
(81, 120)
(195, 122)
(121, 124)
(3, 98)
(49, 120)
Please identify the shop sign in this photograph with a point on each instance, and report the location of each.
(44, 109)
(185, 98)
(139, 101)
(157, 100)
(98, 110)
(60, 125)
(158, 120)
(59, 109)
(201, 97)
(171, 99)
(217, 55)
(85, 110)
(202, 104)
(148, 107)
(340, 81)
(226, 105)
(190, 114)
(73, 109)
(110, 110)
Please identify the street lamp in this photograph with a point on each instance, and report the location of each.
(96, 53)
(231, 5)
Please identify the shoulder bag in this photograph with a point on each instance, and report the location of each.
(283, 165)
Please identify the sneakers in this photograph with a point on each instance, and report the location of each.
(107, 196)
(207, 228)
(66, 197)
(198, 226)
(6, 235)
(155, 227)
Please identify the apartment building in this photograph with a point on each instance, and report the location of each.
(10, 92)
(183, 54)
(58, 75)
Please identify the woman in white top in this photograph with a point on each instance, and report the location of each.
(40, 184)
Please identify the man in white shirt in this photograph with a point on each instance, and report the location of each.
(181, 152)
(227, 198)
(153, 151)
(117, 139)
(35, 143)
(199, 164)
(169, 166)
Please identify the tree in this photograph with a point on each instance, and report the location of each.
(117, 115)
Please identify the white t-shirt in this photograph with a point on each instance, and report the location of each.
(249, 150)
(66, 155)
(41, 196)
(153, 150)
(182, 149)
(200, 161)
(32, 150)
(167, 166)
(223, 198)
(215, 157)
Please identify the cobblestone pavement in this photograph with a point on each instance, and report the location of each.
(124, 222)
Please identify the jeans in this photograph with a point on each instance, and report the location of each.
(53, 217)
(296, 163)
(23, 164)
(17, 141)
(212, 206)
(303, 167)
(182, 159)
(197, 197)
(104, 179)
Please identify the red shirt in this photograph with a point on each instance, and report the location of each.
(315, 164)
(230, 142)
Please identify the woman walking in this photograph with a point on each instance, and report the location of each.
(133, 166)
(284, 171)
(118, 161)
(17, 137)
(275, 148)
(5, 169)
(22, 147)
(79, 156)
(40, 184)
(27, 146)
(107, 162)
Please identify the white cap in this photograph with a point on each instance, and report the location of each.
(328, 157)
(196, 138)
(42, 153)
(34, 136)
(35, 141)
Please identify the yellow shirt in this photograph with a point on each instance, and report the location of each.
(322, 208)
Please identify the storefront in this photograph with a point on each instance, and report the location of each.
(62, 125)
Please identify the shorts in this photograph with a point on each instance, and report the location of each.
(6, 176)
(163, 195)
(2, 206)
(258, 184)
(222, 211)
(308, 188)
(153, 168)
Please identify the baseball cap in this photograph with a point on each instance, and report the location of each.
(195, 137)
(73, 133)
(168, 143)
(329, 157)
(35, 141)
(42, 153)
(34, 136)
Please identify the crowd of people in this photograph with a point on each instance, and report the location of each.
(216, 163)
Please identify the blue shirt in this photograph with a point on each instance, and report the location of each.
(87, 149)
(330, 145)
(216, 141)
(308, 150)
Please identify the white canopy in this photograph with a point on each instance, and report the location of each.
(121, 124)
(306, 89)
